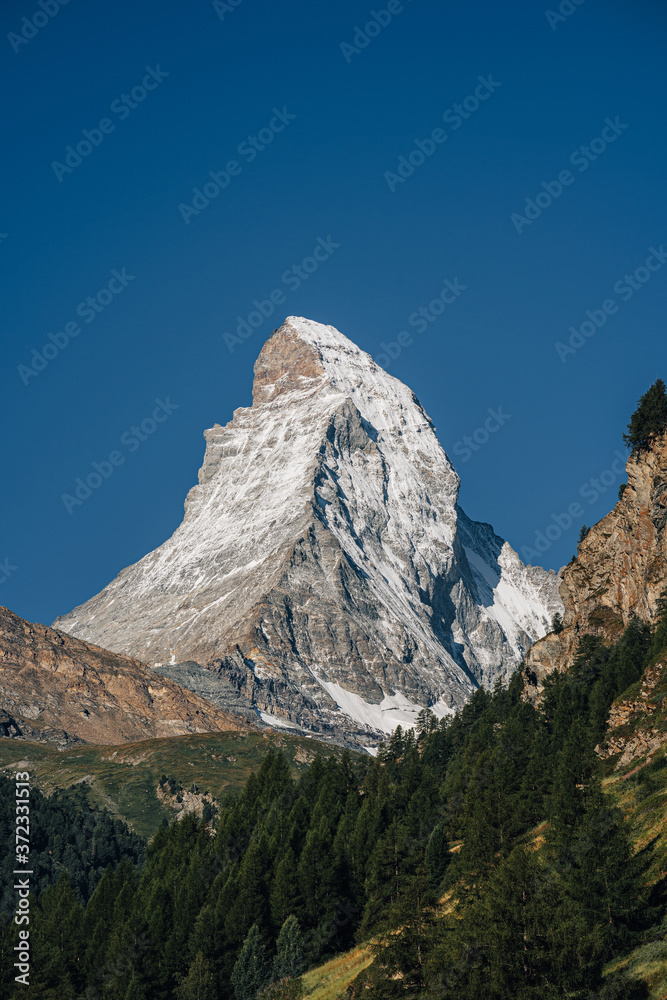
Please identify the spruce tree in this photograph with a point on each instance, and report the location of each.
(199, 984)
(248, 904)
(511, 923)
(437, 855)
(252, 970)
(57, 940)
(604, 878)
(649, 418)
(399, 968)
(288, 962)
(136, 989)
(388, 869)
(600, 885)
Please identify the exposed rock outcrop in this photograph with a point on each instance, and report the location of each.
(187, 801)
(620, 569)
(637, 727)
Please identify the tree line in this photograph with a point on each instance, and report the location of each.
(478, 853)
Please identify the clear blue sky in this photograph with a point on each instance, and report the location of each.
(218, 78)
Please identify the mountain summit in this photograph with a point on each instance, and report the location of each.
(323, 569)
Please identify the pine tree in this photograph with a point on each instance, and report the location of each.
(199, 984)
(288, 962)
(649, 418)
(427, 723)
(252, 970)
(285, 895)
(567, 803)
(248, 905)
(601, 892)
(603, 877)
(557, 623)
(510, 924)
(399, 967)
(437, 855)
(136, 989)
(57, 942)
(388, 869)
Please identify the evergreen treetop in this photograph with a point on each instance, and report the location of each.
(649, 418)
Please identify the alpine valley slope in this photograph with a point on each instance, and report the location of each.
(324, 570)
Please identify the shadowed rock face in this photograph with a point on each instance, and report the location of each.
(323, 570)
(58, 689)
(620, 569)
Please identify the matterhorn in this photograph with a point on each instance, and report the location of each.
(324, 577)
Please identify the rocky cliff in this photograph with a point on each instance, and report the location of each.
(57, 689)
(637, 726)
(620, 568)
(324, 572)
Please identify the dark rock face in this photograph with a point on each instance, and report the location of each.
(324, 573)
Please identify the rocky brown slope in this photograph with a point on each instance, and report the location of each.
(62, 690)
(620, 568)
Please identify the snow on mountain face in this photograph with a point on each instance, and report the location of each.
(323, 568)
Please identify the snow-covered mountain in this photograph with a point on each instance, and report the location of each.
(323, 569)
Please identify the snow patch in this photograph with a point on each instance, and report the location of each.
(393, 711)
(273, 720)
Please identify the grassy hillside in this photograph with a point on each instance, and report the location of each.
(125, 778)
(329, 981)
(638, 787)
(640, 790)
(642, 794)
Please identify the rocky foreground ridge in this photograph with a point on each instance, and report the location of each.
(58, 689)
(620, 569)
(324, 574)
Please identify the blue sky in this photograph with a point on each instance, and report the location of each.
(322, 122)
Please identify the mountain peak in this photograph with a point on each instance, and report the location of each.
(302, 355)
(290, 360)
(323, 567)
